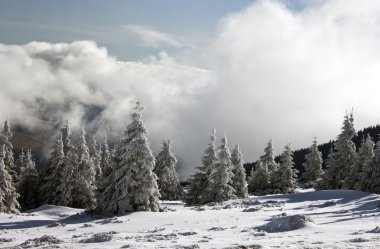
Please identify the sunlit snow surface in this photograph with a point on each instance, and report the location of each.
(322, 219)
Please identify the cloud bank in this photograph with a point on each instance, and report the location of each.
(271, 73)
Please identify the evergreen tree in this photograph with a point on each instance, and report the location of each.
(198, 181)
(104, 185)
(343, 157)
(28, 187)
(286, 177)
(167, 177)
(105, 156)
(67, 181)
(259, 179)
(133, 181)
(372, 183)
(239, 182)
(64, 169)
(366, 159)
(219, 182)
(268, 159)
(83, 191)
(52, 173)
(312, 165)
(19, 164)
(8, 194)
(7, 155)
(95, 155)
(359, 172)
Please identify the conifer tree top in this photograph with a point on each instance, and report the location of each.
(7, 130)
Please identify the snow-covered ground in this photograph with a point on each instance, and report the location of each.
(323, 219)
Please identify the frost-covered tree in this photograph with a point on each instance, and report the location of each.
(83, 177)
(259, 179)
(312, 165)
(358, 175)
(105, 155)
(20, 163)
(220, 179)
(133, 182)
(268, 159)
(52, 173)
(95, 155)
(343, 157)
(67, 180)
(59, 174)
(372, 181)
(239, 182)
(8, 194)
(366, 156)
(167, 177)
(285, 180)
(104, 185)
(28, 188)
(7, 153)
(198, 181)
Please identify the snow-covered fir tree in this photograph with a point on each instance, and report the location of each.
(239, 181)
(343, 157)
(65, 173)
(52, 173)
(372, 183)
(104, 185)
(285, 180)
(366, 156)
(312, 165)
(268, 159)
(258, 181)
(133, 182)
(105, 156)
(219, 187)
(8, 194)
(198, 181)
(83, 177)
(20, 163)
(358, 175)
(28, 188)
(7, 155)
(95, 151)
(167, 177)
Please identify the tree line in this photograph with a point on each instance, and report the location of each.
(129, 178)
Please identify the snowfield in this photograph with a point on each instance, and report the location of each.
(307, 219)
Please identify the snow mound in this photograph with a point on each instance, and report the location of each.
(55, 211)
(286, 223)
(45, 240)
(99, 237)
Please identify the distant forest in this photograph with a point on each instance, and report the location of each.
(299, 155)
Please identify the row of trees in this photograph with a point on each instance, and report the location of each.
(129, 178)
(96, 178)
(272, 177)
(221, 177)
(348, 168)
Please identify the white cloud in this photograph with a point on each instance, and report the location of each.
(61, 81)
(274, 73)
(290, 75)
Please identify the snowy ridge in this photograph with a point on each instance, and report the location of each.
(307, 219)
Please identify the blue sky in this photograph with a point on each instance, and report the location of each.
(104, 21)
